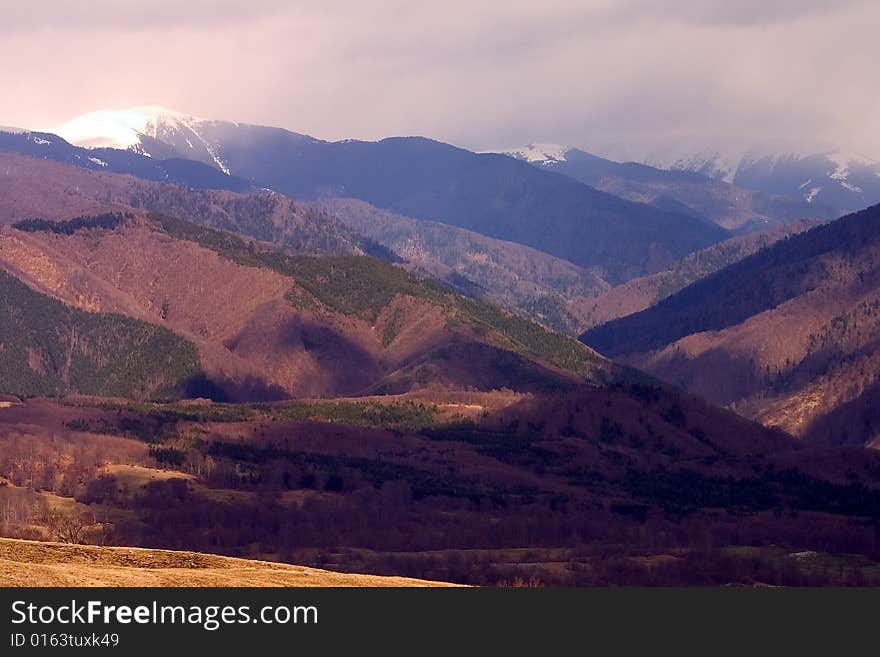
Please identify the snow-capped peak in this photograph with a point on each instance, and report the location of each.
(149, 130)
(540, 153)
(14, 131)
(119, 128)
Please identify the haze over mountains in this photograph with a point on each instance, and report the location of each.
(820, 174)
(52, 147)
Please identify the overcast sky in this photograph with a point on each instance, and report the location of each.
(481, 74)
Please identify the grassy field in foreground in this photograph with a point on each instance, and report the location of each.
(33, 563)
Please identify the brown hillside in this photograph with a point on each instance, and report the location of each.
(789, 336)
(261, 335)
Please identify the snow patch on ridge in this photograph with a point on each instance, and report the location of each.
(124, 129)
(119, 128)
(539, 153)
(113, 128)
(723, 162)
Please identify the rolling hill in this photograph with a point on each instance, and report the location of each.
(787, 335)
(616, 485)
(40, 564)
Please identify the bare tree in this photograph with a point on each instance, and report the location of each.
(69, 526)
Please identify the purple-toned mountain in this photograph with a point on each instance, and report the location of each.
(424, 179)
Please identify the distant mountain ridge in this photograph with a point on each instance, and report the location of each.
(818, 173)
(733, 207)
(425, 179)
(519, 277)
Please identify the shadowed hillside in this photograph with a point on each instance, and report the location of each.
(641, 293)
(49, 348)
(788, 335)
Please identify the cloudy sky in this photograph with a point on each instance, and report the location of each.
(481, 74)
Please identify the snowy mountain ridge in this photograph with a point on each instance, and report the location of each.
(539, 153)
(815, 172)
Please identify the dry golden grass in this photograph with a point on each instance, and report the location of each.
(33, 563)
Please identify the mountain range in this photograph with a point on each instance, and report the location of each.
(424, 179)
(239, 339)
(266, 324)
(737, 207)
(816, 172)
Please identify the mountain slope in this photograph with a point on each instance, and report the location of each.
(31, 187)
(736, 208)
(641, 293)
(489, 194)
(49, 348)
(516, 276)
(269, 325)
(788, 335)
